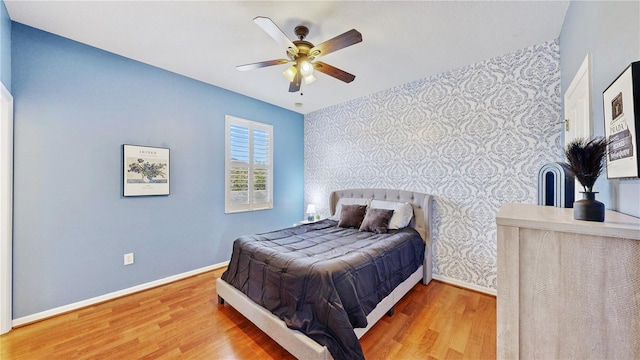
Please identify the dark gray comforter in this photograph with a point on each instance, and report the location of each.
(323, 280)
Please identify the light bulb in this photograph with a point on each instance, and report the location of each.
(306, 68)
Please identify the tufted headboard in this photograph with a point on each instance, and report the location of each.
(422, 212)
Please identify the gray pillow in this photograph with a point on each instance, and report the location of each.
(351, 216)
(377, 221)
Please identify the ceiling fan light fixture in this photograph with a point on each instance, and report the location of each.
(308, 79)
(290, 73)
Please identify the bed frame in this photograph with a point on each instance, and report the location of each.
(298, 344)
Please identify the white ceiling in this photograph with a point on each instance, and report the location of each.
(403, 41)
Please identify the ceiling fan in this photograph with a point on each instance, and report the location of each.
(303, 54)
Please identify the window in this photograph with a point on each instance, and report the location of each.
(248, 165)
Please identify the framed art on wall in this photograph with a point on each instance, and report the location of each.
(622, 123)
(146, 170)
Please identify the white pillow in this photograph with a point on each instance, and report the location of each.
(348, 201)
(402, 212)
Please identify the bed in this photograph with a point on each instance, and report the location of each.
(342, 322)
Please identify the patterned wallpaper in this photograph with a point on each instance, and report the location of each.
(474, 137)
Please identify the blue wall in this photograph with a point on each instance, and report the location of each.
(610, 31)
(5, 47)
(75, 106)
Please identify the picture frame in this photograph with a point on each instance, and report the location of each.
(145, 170)
(622, 123)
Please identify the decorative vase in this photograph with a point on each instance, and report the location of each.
(588, 208)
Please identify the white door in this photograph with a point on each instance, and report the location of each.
(578, 110)
(6, 207)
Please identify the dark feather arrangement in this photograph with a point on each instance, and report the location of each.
(586, 159)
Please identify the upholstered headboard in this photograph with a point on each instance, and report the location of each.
(422, 212)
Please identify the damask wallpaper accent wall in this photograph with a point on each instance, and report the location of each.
(474, 137)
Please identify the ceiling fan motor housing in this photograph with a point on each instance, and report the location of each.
(303, 49)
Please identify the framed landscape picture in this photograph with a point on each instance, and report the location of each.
(146, 170)
(622, 123)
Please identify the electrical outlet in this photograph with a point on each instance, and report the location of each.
(128, 259)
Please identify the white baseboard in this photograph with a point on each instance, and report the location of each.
(116, 294)
(465, 285)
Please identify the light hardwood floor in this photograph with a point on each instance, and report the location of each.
(183, 319)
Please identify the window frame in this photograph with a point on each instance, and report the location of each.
(251, 166)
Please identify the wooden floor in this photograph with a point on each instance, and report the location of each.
(183, 319)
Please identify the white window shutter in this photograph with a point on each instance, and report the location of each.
(248, 166)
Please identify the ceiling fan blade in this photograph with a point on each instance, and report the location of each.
(333, 71)
(339, 42)
(261, 64)
(274, 31)
(295, 84)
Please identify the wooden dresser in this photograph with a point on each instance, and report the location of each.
(567, 289)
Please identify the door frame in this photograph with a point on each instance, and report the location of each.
(6, 208)
(582, 82)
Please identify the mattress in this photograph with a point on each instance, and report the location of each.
(323, 280)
